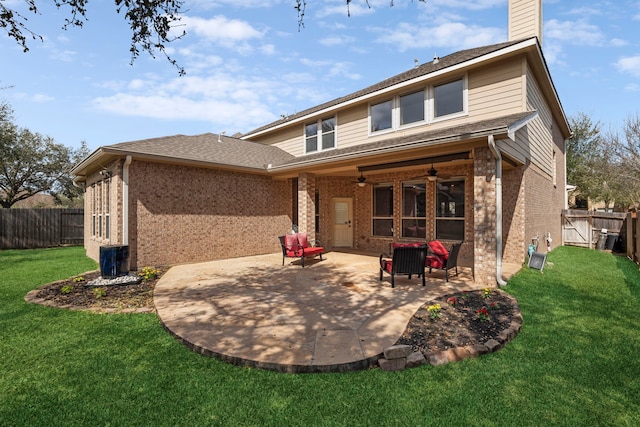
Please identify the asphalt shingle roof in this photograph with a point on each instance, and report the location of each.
(207, 147)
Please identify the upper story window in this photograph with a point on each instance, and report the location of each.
(448, 98)
(381, 116)
(429, 104)
(323, 130)
(412, 108)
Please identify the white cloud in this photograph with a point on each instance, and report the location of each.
(337, 40)
(470, 5)
(578, 33)
(629, 65)
(632, 87)
(229, 33)
(453, 35)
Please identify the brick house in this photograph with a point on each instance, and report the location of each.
(469, 147)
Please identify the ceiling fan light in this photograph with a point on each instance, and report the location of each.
(433, 174)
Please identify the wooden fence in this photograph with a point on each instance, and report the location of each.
(633, 237)
(583, 228)
(40, 228)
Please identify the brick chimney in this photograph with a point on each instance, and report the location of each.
(525, 19)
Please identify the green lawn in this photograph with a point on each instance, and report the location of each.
(575, 362)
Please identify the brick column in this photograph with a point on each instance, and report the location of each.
(306, 204)
(484, 217)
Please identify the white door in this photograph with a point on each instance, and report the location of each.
(342, 222)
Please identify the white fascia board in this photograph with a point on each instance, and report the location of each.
(452, 69)
(515, 126)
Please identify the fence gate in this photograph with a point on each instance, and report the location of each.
(577, 230)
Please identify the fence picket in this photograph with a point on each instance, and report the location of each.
(41, 227)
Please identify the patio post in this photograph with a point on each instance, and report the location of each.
(306, 204)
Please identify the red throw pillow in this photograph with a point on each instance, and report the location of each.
(437, 248)
(291, 242)
(303, 240)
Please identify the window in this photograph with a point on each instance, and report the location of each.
(412, 108)
(414, 212)
(448, 98)
(381, 116)
(107, 202)
(323, 130)
(93, 209)
(450, 210)
(99, 207)
(383, 210)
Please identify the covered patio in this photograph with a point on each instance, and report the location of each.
(333, 315)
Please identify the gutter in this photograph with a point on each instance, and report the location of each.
(498, 157)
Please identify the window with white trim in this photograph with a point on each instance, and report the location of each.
(107, 202)
(450, 210)
(94, 218)
(324, 130)
(414, 209)
(382, 224)
(448, 98)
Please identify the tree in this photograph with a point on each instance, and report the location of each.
(64, 192)
(29, 162)
(583, 153)
(151, 22)
(625, 150)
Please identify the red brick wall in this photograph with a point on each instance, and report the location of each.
(184, 214)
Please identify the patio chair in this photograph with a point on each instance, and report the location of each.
(297, 246)
(442, 259)
(407, 260)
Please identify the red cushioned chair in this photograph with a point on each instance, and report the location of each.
(297, 246)
(406, 259)
(442, 259)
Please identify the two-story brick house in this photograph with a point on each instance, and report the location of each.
(469, 147)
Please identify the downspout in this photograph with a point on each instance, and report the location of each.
(498, 157)
(125, 201)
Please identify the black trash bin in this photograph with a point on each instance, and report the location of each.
(612, 240)
(114, 261)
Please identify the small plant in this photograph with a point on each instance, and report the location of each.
(434, 311)
(486, 292)
(465, 295)
(78, 279)
(494, 305)
(452, 301)
(99, 292)
(149, 273)
(483, 314)
(66, 289)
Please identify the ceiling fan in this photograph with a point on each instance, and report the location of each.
(432, 174)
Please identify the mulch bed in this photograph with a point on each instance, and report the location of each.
(73, 293)
(460, 324)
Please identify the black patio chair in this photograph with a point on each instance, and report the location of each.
(407, 260)
(441, 259)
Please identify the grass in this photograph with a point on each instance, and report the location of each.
(575, 362)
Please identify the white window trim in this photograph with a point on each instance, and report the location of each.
(429, 108)
(402, 204)
(465, 101)
(319, 134)
(373, 209)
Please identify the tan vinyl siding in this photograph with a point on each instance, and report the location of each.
(496, 90)
(539, 130)
(353, 126)
(290, 139)
(525, 19)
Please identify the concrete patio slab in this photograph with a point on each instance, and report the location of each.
(331, 315)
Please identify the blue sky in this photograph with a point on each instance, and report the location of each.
(247, 63)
